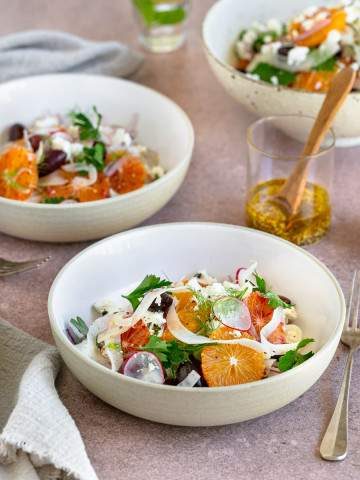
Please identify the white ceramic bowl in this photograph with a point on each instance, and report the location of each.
(222, 26)
(174, 250)
(163, 126)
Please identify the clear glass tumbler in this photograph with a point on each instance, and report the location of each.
(162, 23)
(274, 146)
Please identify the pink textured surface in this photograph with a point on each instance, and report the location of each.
(281, 445)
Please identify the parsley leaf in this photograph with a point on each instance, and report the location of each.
(266, 72)
(53, 200)
(80, 325)
(93, 156)
(293, 358)
(274, 300)
(150, 282)
(171, 354)
(233, 292)
(87, 130)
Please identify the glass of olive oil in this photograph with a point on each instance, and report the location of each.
(274, 146)
(162, 23)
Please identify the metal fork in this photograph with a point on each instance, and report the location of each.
(9, 268)
(334, 444)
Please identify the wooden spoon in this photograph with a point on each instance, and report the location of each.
(291, 194)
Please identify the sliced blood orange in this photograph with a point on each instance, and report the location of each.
(137, 336)
(18, 172)
(98, 191)
(261, 313)
(131, 175)
(224, 365)
(226, 333)
(188, 316)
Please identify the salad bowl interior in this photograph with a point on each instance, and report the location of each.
(122, 103)
(221, 28)
(113, 266)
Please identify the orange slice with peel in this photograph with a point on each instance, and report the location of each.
(228, 364)
(18, 172)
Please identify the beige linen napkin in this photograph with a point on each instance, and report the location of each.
(38, 439)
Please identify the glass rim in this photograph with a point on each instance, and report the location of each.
(251, 142)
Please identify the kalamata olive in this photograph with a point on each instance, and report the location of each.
(16, 132)
(285, 299)
(35, 142)
(184, 370)
(53, 160)
(284, 50)
(165, 304)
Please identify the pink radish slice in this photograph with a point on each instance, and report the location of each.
(232, 313)
(237, 274)
(144, 366)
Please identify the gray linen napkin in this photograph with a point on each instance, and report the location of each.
(41, 51)
(38, 437)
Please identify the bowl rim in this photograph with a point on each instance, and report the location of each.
(322, 352)
(168, 176)
(236, 73)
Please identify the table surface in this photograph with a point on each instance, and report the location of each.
(283, 444)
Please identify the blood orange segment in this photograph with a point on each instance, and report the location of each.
(261, 314)
(137, 336)
(18, 173)
(226, 333)
(131, 175)
(224, 365)
(98, 191)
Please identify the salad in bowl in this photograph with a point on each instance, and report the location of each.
(196, 332)
(305, 51)
(74, 158)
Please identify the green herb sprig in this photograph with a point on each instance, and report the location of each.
(266, 72)
(53, 200)
(274, 300)
(93, 156)
(171, 354)
(293, 358)
(87, 130)
(150, 282)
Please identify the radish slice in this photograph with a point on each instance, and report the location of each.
(184, 335)
(191, 380)
(144, 366)
(244, 274)
(232, 313)
(275, 348)
(237, 274)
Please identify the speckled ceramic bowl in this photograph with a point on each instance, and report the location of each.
(221, 27)
(107, 268)
(163, 126)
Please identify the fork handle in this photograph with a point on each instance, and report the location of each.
(334, 444)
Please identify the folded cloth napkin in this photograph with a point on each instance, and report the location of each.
(38, 439)
(40, 51)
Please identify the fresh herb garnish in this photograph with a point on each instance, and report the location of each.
(93, 156)
(152, 15)
(113, 346)
(266, 72)
(327, 66)
(80, 325)
(150, 282)
(274, 300)
(87, 130)
(53, 200)
(234, 292)
(260, 41)
(204, 310)
(171, 354)
(293, 358)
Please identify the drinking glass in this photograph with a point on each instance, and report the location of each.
(274, 146)
(162, 23)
